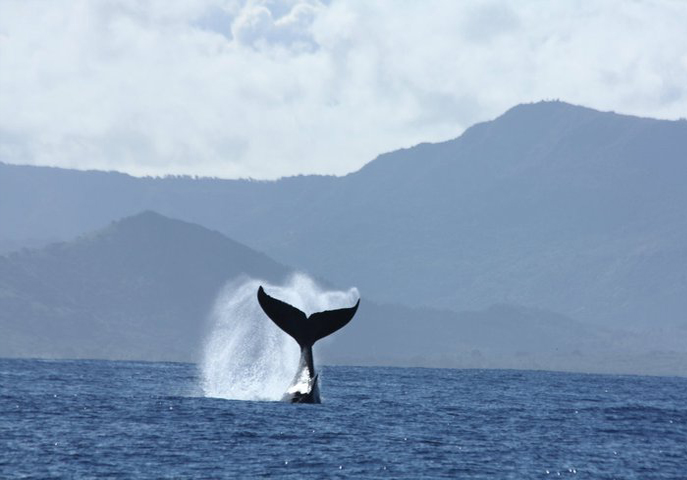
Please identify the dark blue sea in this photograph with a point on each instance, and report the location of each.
(101, 419)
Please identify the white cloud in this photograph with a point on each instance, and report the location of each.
(256, 26)
(267, 88)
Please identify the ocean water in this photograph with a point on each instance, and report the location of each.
(88, 419)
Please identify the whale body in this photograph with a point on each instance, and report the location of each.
(306, 330)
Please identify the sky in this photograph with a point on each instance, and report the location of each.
(265, 89)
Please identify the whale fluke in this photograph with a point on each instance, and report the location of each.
(306, 331)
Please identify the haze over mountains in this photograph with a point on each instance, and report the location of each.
(552, 208)
(143, 289)
(140, 288)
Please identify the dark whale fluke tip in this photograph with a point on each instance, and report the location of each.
(306, 331)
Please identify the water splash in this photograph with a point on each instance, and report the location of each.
(246, 356)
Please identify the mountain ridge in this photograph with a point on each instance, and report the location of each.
(118, 286)
(550, 206)
(142, 289)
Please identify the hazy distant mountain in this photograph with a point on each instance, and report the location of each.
(551, 206)
(141, 288)
(501, 336)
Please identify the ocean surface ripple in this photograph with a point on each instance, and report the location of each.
(84, 419)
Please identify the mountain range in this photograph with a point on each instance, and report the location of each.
(143, 288)
(140, 288)
(549, 208)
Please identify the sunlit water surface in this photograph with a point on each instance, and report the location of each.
(76, 419)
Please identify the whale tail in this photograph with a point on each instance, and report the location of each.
(305, 330)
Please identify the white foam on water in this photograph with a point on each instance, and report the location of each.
(246, 356)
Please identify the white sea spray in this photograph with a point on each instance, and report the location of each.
(246, 356)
